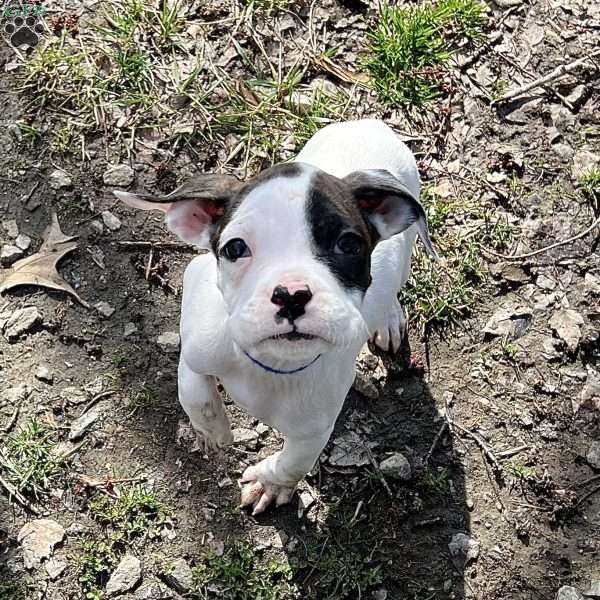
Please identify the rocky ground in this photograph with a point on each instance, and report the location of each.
(469, 470)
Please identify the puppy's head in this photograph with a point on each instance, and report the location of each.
(293, 249)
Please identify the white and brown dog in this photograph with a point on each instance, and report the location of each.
(305, 266)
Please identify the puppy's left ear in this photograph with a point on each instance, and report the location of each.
(193, 210)
(389, 205)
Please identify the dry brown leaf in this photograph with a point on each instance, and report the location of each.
(341, 72)
(40, 268)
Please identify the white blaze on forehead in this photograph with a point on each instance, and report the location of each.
(272, 217)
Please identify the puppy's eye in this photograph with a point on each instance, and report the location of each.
(349, 243)
(234, 249)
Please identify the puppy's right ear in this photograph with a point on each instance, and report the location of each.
(193, 210)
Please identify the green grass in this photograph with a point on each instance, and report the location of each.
(242, 573)
(436, 481)
(134, 512)
(589, 184)
(409, 50)
(439, 294)
(29, 460)
(94, 563)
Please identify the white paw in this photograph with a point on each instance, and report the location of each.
(259, 493)
(392, 328)
(213, 437)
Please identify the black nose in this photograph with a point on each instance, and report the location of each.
(292, 305)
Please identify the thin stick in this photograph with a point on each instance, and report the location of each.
(550, 247)
(165, 245)
(435, 442)
(588, 495)
(378, 472)
(12, 420)
(552, 76)
(14, 493)
(512, 451)
(487, 451)
(590, 480)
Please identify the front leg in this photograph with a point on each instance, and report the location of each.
(276, 477)
(199, 397)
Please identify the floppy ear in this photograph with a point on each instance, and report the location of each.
(388, 204)
(192, 210)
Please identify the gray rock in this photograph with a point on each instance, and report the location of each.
(44, 374)
(111, 222)
(21, 321)
(576, 96)
(380, 594)
(74, 395)
(80, 426)
(463, 547)
(584, 162)
(105, 309)
(155, 591)
(169, 341)
(96, 227)
(593, 455)
(567, 325)
(126, 575)
(179, 576)
(349, 451)
(11, 228)
(591, 283)
(208, 514)
(396, 466)
(562, 118)
(566, 592)
(9, 254)
(119, 175)
(55, 568)
(60, 179)
(544, 282)
(305, 501)
(129, 329)
(563, 151)
(508, 321)
(23, 241)
(594, 590)
(38, 539)
(245, 437)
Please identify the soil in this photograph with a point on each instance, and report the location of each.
(536, 529)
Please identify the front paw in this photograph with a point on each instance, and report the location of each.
(391, 329)
(258, 492)
(209, 440)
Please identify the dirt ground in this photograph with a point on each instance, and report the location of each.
(497, 415)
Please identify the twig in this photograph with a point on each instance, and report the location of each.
(435, 442)
(149, 263)
(587, 481)
(96, 399)
(546, 248)
(12, 420)
(552, 76)
(166, 245)
(378, 471)
(487, 451)
(512, 451)
(27, 197)
(92, 482)
(14, 493)
(586, 496)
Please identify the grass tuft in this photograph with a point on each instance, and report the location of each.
(134, 512)
(409, 49)
(243, 574)
(94, 563)
(29, 459)
(439, 294)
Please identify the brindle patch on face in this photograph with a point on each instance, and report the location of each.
(331, 211)
(282, 170)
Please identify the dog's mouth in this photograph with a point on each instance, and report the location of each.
(293, 336)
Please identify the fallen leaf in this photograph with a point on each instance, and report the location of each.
(40, 268)
(341, 72)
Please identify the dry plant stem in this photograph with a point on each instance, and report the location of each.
(165, 245)
(546, 248)
(378, 472)
(14, 493)
(552, 76)
(436, 441)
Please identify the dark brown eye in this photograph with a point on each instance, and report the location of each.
(349, 243)
(234, 249)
